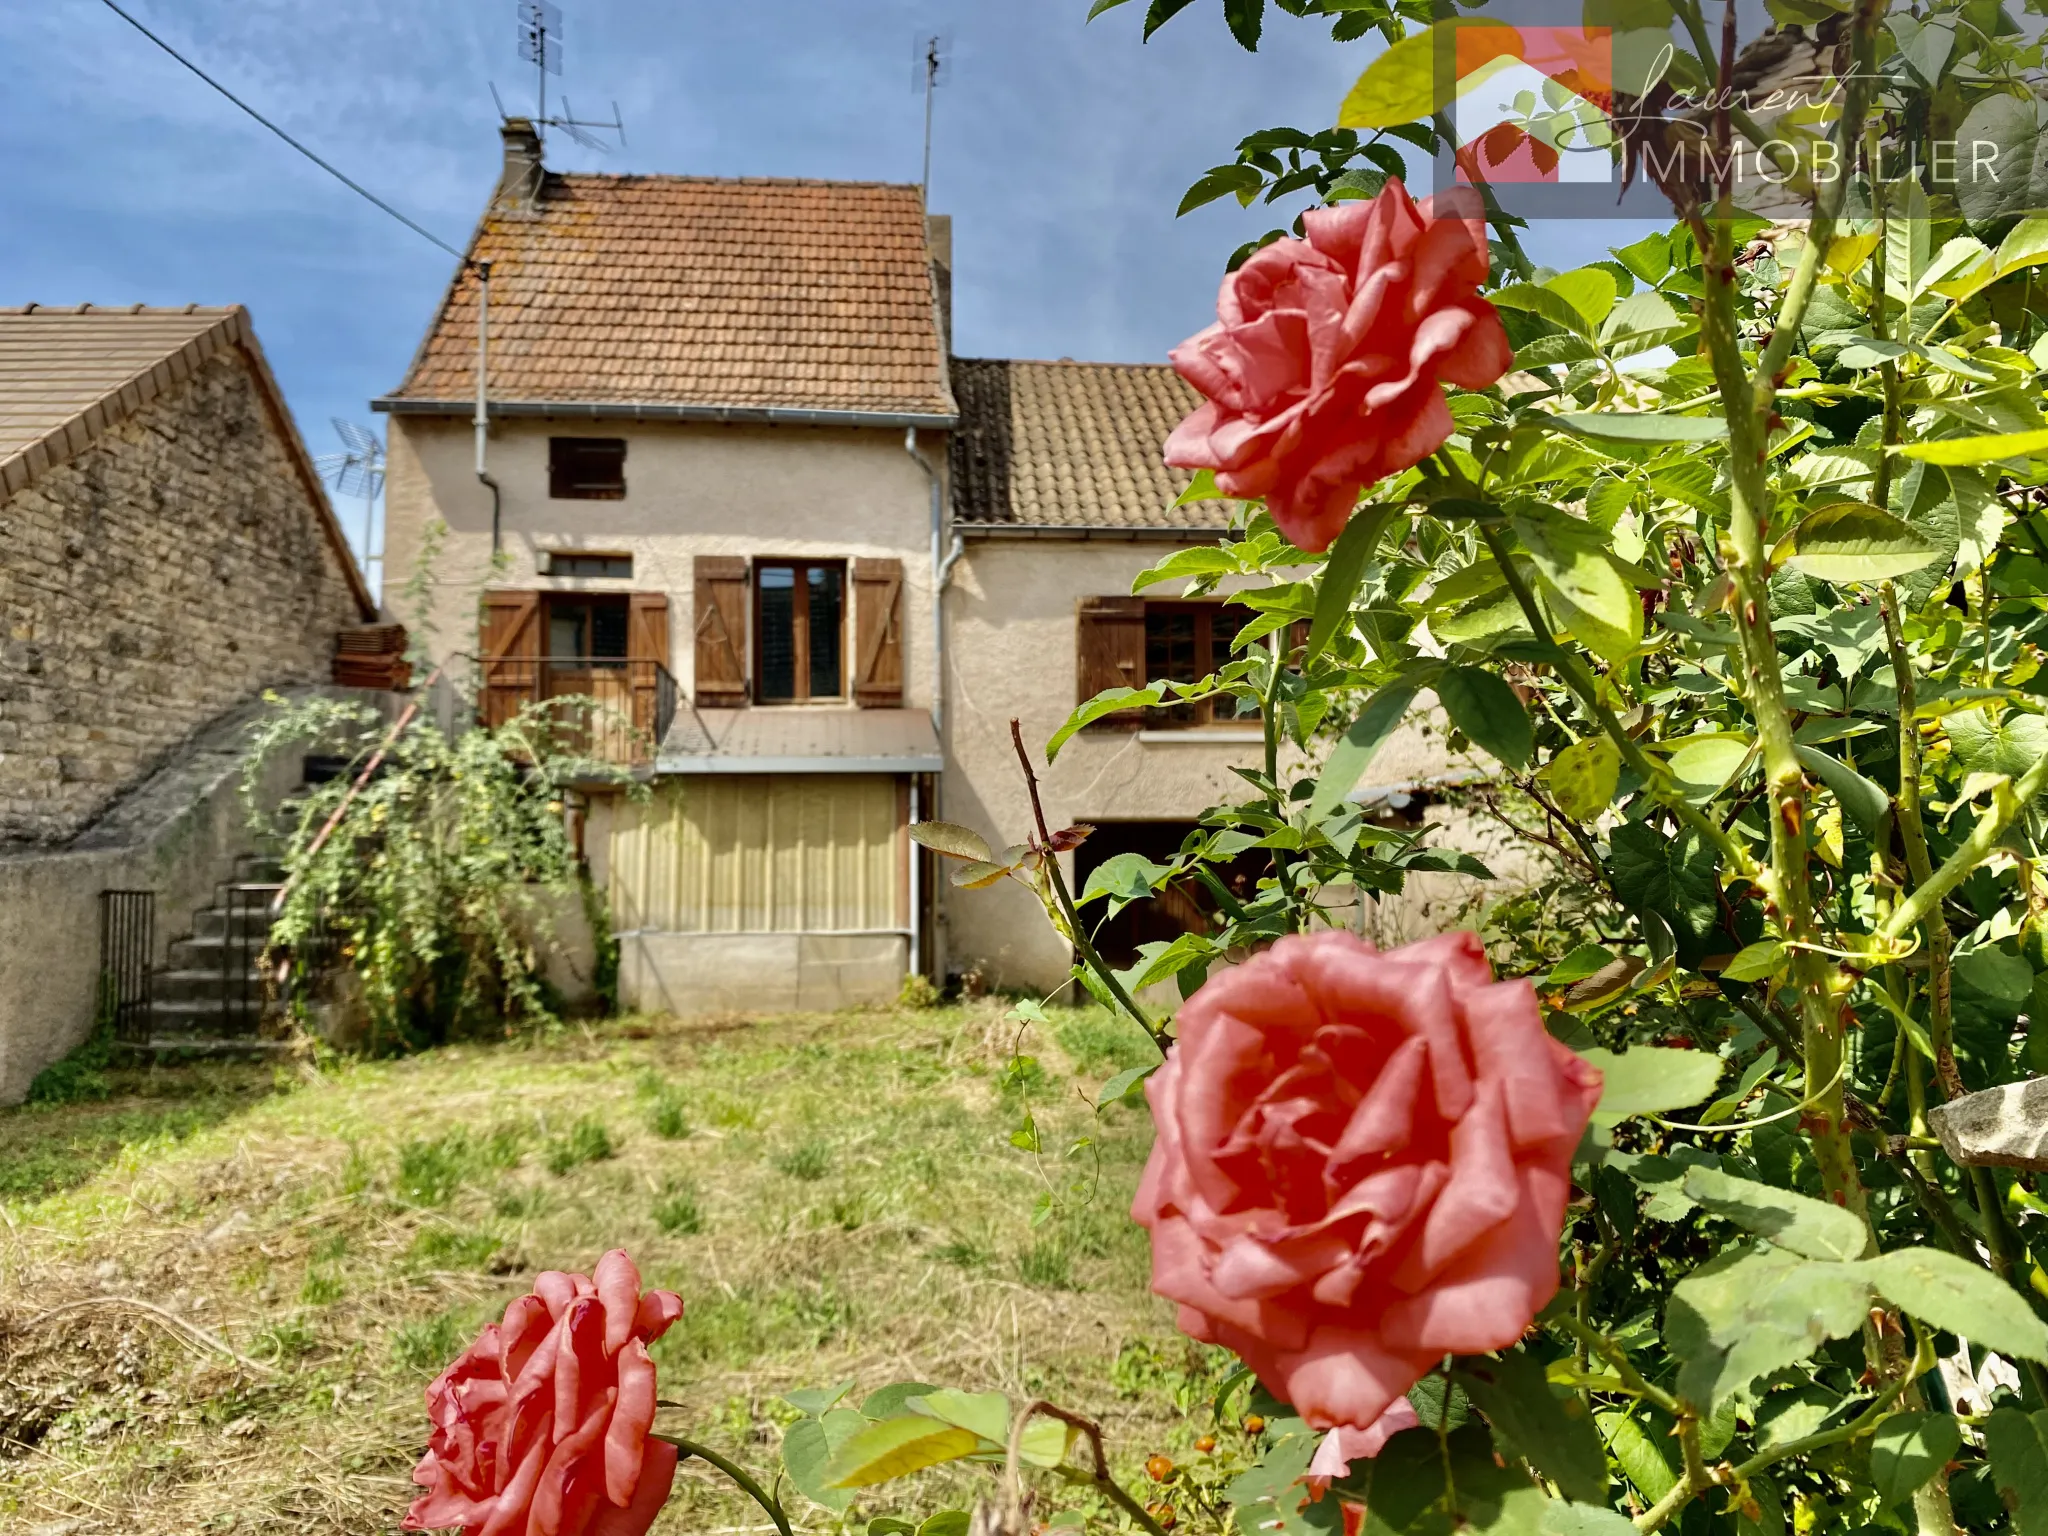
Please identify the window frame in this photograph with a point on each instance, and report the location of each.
(568, 484)
(1202, 714)
(553, 562)
(800, 628)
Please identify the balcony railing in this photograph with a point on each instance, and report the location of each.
(609, 709)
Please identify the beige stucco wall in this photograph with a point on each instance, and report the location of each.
(691, 489)
(693, 974)
(1012, 652)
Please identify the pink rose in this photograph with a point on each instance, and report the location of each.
(1325, 369)
(541, 1427)
(1362, 1166)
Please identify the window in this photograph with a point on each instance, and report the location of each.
(563, 562)
(1184, 643)
(587, 468)
(799, 624)
(586, 629)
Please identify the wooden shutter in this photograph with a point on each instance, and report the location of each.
(647, 656)
(1112, 653)
(878, 633)
(721, 631)
(511, 654)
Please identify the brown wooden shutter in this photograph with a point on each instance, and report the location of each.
(878, 633)
(721, 631)
(511, 654)
(647, 655)
(1112, 653)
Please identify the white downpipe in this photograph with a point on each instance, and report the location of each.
(482, 422)
(916, 882)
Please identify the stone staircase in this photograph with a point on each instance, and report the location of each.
(212, 998)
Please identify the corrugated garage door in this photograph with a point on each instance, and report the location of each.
(759, 853)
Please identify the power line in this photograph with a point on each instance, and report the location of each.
(353, 186)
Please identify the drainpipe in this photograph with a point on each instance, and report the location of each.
(943, 560)
(916, 880)
(483, 415)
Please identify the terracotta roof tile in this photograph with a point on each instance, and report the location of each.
(1071, 445)
(691, 291)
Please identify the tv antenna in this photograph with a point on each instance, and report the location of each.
(932, 50)
(358, 470)
(540, 44)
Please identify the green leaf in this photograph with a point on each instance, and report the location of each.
(1124, 877)
(1356, 748)
(805, 1454)
(1553, 1433)
(1224, 181)
(1161, 13)
(2009, 746)
(1948, 1292)
(887, 1402)
(1245, 17)
(893, 1448)
(1349, 557)
(1589, 290)
(954, 842)
(1201, 487)
(1797, 1223)
(1674, 876)
(1746, 1313)
(947, 1522)
(1652, 1079)
(1907, 1449)
(2025, 245)
(1865, 802)
(1753, 962)
(1583, 777)
(1704, 764)
(813, 1401)
(1400, 86)
(1642, 1461)
(1100, 6)
(1989, 449)
(1486, 709)
(1551, 304)
(2017, 1444)
(1858, 543)
(1586, 960)
(1106, 703)
(1121, 1089)
(1593, 595)
(1642, 426)
(1202, 560)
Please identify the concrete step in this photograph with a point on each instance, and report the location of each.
(207, 1018)
(194, 1045)
(212, 922)
(201, 984)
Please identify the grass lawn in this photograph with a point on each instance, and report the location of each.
(833, 1196)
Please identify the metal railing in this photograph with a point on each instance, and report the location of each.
(127, 962)
(611, 709)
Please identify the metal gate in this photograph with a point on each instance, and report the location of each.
(127, 960)
(245, 934)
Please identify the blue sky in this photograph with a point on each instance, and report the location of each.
(1061, 151)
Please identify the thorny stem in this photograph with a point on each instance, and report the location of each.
(1913, 833)
(1100, 1480)
(1611, 1351)
(1269, 720)
(1786, 886)
(737, 1473)
(1058, 880)
(1581, 682)
(1928, 894)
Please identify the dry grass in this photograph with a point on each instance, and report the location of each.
(834, 1197)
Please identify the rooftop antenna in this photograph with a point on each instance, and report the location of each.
(932, 49)
(358, 470)
(540, 44)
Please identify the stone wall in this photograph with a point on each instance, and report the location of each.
(172, 570)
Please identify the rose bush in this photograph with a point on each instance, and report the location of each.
(1362, 1166)
(542, 1424)
(1325, 369)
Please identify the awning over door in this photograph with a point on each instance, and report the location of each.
(800, 740)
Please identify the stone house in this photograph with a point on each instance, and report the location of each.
(735, 482)
(167, 553)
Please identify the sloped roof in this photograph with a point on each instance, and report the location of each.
(1072, 446)
(675, 291)
(68, 375)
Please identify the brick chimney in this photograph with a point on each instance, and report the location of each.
(519, 185)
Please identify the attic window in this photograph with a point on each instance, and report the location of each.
(587, 468)
(583, 563)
